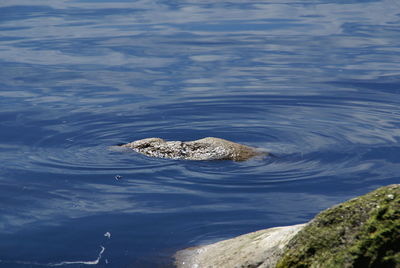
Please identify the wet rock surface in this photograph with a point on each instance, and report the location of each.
(209, 148)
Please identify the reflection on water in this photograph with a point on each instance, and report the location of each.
(315, 83)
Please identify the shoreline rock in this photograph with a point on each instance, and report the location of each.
(209, 148)
(257, 249)
(361, 232)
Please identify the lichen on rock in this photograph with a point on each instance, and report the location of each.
(362, 232)
(209, 148)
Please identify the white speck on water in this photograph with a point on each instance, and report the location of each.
(108, 234)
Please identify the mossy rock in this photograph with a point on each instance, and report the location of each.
(362, 232)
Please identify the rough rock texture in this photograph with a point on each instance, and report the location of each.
(259, 249)
(204, 149)
(362, 232)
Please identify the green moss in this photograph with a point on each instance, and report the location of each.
(362, 232)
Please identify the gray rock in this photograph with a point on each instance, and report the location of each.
(204, 149)
(260, 249)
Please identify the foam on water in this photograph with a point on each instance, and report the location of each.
(63, 263)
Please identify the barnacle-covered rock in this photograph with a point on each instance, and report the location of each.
(204, 149)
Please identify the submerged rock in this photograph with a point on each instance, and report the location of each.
(362, 232)
(259, 249)
(204, 149)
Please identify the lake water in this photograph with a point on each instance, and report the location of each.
(317, 83)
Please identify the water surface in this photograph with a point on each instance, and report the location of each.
(315, 82)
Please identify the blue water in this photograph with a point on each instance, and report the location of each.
(315, 82)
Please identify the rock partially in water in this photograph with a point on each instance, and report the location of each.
(204, 149)
(362, 232)
(259, 249)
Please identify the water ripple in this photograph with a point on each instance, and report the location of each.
(316, 84)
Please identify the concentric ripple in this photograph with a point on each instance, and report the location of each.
(316, 83)
(307, 138)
